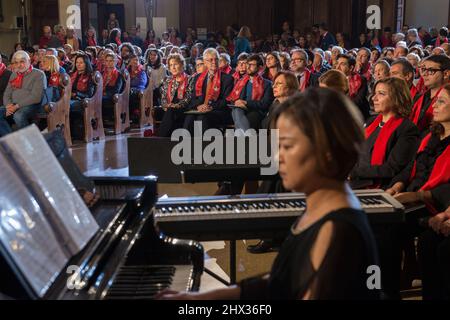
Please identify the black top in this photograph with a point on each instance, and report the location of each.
(360, 99)
(425, 105)
(401, 148)
(424, 165)
(342, 273)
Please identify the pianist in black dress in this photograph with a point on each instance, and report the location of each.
(391, 138)
(329, 248)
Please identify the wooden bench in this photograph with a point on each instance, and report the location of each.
(122, 106)
(146, 104)
(57, 113)
(93, 121)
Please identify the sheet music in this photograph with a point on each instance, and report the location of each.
(70, 218)
(25, 234)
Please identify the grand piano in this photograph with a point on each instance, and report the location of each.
(127, 258)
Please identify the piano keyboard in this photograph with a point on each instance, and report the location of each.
(209, 218)
(143, 282)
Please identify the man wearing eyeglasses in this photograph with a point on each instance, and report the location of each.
(435, 71)
(299, 62)
(23, 95)
(252, 96)
(210, 90)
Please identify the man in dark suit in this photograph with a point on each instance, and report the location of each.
(210, 90)
(299, 62)
(326, 38)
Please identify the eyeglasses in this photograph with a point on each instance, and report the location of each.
(298, 60)
(278, 84)
(429, 71)
(211, 60)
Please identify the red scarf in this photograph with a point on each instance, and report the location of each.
(2, 68)
(92, 42)
(417, 108)
(118, 41)
(17, 82)
(438, 41)
(83, 80)
(440, 173)
(379, 149)
(135, 73)
(214, 92)
(110, 78)
(413, 91)
(236, 76)
(54, 80)
(305, 83)
(226, 69)
(257, 88)
(354, 83)
(181, 88)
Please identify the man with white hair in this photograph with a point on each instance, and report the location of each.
(413, 38)
(401, 50)
(211, 89)
(335, 52)
(397, 38)
(224, 63)
(23, 95)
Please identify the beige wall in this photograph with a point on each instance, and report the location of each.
(169, 9)
(429, 13)
(8, 35)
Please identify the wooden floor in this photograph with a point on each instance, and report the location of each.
(110, 158)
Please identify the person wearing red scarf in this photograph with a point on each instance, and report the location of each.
(251, 97)
(23, 94)
(45, 38)
(241, 67)
(175, 96)
(403, 69)
(363, 66)
(224, 64)
(299, 62)
(83, 86)
(112, 81)
(210, 90)
(5, 74)
(391, 138)
(273, 66)
(426, 180)
(90, 39)
(357, 83)
(435, 71)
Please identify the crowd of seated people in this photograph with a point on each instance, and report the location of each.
(399, 83)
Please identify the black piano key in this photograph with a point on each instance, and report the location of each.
(208, 208)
